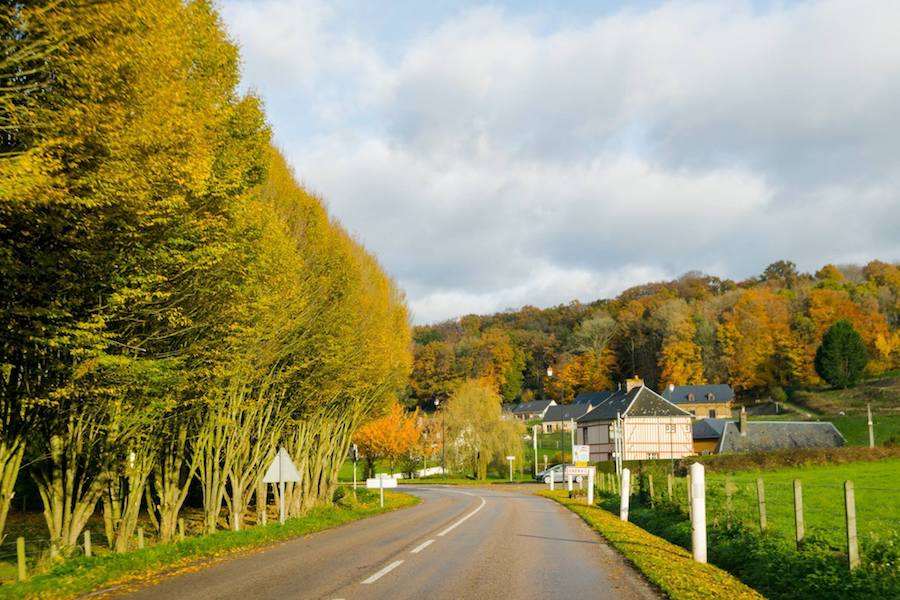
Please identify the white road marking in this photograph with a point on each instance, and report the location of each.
(463, 520)
(383, 572)
(421, 547)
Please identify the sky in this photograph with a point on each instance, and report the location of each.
(513, 153)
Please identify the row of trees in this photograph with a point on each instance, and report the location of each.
(173, 305)
(755, 335)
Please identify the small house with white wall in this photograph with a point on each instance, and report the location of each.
(651, 426)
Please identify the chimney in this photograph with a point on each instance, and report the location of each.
(632, 383)
(743, 422)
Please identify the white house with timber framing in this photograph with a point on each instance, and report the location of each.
(652, 427)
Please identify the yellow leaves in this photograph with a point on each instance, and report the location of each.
(391, 436)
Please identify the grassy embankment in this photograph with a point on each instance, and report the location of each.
(770, 562)
(82, 575)
(666, 565)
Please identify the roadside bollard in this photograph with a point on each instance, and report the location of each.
(626, 492)
(698, 512)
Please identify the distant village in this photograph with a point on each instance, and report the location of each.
(681, 421)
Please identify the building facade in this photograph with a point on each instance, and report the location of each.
(648, 426)
(713, 401)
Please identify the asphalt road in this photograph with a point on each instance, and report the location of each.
(458, 543)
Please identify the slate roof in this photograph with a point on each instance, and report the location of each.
(709, 429)
(534, 406)
(564, 412)
(679, 395)
(777, 435)
(639, 402)
(592, 398)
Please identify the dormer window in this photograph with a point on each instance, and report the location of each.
(690, 397)
(711, 397)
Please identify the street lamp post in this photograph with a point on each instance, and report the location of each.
(437, 405)
(562, 438)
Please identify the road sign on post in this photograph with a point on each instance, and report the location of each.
(380, 483)
(581, 455)
(281, 470)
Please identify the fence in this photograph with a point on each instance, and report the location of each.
(840, 514)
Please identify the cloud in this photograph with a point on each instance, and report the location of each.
(494, 157)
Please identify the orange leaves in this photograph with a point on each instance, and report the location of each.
(584, 372)
(392, 436)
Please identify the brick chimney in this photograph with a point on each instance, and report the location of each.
(743, 422)
(632, 383)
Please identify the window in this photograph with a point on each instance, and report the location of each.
(652, 455)
(548, 428)
(690, 397)
(693, 413)
(711, 397)
(712, 413)
(670, 428)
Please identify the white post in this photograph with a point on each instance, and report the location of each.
(551, 476)
(698, 512)
(534, 434)
(572, 437)
(570, 482)
(354, 475)
(281, 502)
(871, 431)
(381, 488)
(624, 494)
(590, 494)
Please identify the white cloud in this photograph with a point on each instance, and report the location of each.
(501, 159)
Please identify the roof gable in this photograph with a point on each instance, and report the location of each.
(533, 406)
(709, 429)
(648, 403)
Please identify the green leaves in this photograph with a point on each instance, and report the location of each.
(842, 356)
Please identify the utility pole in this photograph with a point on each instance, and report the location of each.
(437, 405)
(871, 430)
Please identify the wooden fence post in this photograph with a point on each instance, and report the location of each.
(87, 543)
(20, 558)
(650, 484)
(761, 503)
(669, 482)
(852, 542)
(140, 538)
(798, 512)
(180, 530)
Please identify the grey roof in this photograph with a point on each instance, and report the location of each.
(709, 429)
(639, 402)
(592, 398)
(532, 407)
(679, 395)
(564, 412)
(776, 435)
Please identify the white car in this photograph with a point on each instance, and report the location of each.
(556, 472)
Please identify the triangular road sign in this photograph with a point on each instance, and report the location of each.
(282, 469)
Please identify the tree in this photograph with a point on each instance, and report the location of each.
(477, 435)
(390, 437)
(842, 356)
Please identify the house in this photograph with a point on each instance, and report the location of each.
(707, 433)
(563, 416)
(756, 436)
(528, 411)
(713, 401)
(651, 426)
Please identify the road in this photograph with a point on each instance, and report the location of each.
(458, 543)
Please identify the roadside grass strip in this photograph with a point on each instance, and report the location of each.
(79, 576)
(670, 567)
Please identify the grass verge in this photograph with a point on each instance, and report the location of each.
(84, 575)
(668, 566)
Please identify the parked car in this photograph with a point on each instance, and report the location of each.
(556, 471)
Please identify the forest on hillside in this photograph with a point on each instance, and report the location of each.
(174, 306)
(759, 335)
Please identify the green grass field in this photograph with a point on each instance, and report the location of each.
(877, 487)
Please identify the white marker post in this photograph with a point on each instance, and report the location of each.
(551, 480)
(698, 512)
(570, 481)
(590, 494)
(281, 470)
(510, 459)
(625, 492)
(381, 482)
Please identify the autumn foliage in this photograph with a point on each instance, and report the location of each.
(390, 437)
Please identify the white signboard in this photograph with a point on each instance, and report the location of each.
(581, 454)
(576, 471)
(282, 469)
(381, 482)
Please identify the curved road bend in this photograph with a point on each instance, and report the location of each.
(458, 543)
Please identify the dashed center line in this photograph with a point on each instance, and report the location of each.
(383, 572)
(421, 547)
